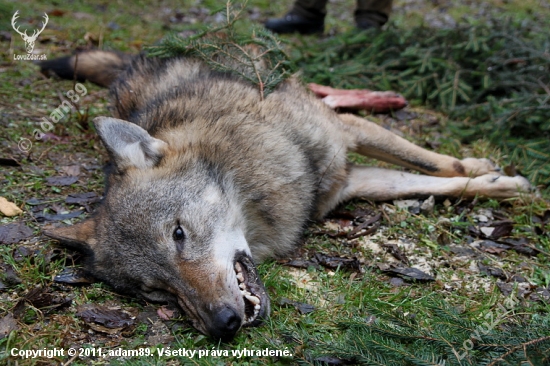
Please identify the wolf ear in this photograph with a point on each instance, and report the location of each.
(128, 144)
(80, 237)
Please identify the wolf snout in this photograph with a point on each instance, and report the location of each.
(225, 324)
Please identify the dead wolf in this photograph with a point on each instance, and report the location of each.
(206, 179)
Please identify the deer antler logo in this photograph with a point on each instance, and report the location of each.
(29, 40)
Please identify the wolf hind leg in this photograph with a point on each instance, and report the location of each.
(376, 142)
(378, 184)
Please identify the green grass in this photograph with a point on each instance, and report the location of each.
(345, 302)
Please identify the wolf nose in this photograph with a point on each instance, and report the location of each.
(226, 324)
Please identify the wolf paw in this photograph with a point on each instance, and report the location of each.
(473, 167)
(500, 186)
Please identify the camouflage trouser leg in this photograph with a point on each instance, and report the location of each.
(374, 10)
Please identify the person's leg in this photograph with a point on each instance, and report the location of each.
(372, 13)
(306, 17)
(310, 9)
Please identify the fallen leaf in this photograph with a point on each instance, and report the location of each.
(413, 206)
(301, 263)
(9, 208)
(366, 223)
(165, 313)
(460, 250)
(356, 214)
(10, 276)
(335, 262)
(103, 329)
(303, 308)
(521, 246)
(41, 298)
(367, 227)
(408, 273)
(14, 233)
(540, 294)
(159, 333)
(70, 170)
(397, 282)
(344, 223)
(492, 247)
(502, 228)
(57, 12)
(61, 181)
(103, 316)
(21, 253)
(91, 167)
(428, 205)
(444, 239)
(396, 252)
(58, 208)
(41, 217)
(37, 202)
(83, 199)
(147, 315)
(7, 325)
(494, 250)
(487, 231)
(505, 288)
(494, 230)
(491, 271)
(74, 276)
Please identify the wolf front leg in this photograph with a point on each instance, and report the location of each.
(376, 142)
(379, 184)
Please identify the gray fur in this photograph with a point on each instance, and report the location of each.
(241, 178)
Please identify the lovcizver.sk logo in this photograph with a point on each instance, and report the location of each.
(29, 40)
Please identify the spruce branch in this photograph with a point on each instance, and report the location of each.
(522, 346)
(257, 57)
(444, 337)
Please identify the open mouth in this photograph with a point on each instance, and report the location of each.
(256, 303)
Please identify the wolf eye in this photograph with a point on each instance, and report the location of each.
(178, 234)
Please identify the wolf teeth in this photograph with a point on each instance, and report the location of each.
(254, 300)
(238, 267)
(245, 293)
(255, 315)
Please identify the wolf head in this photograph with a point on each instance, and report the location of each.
(171, 230)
